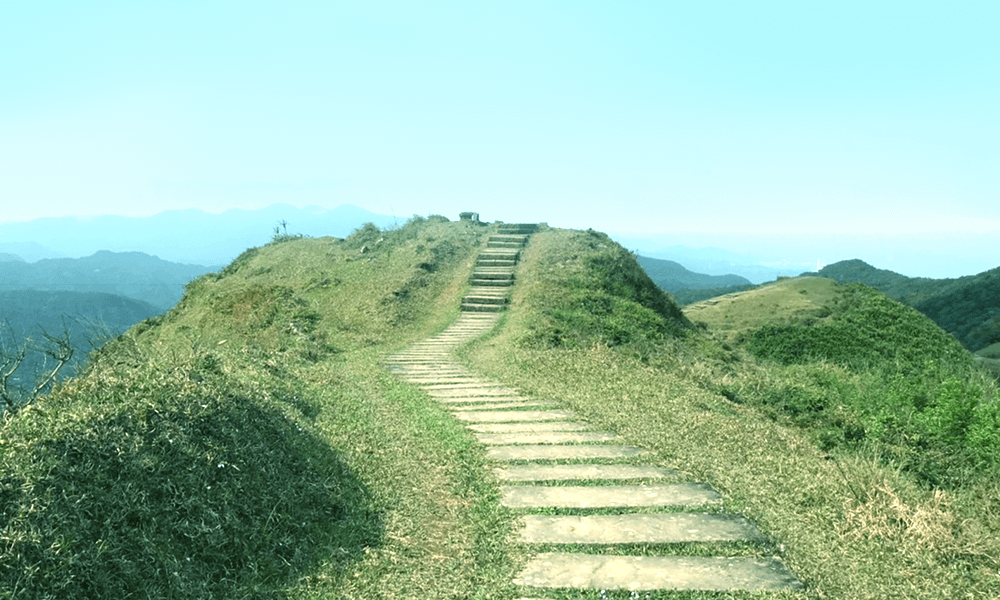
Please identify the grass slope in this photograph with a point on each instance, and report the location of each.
(248, 444)
(967, 307)
(855, 516)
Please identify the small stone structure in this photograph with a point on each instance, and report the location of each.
(472, 217)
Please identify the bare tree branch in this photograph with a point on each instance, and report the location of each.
(12, 354)
(60, 349)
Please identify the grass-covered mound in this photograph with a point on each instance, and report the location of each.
(854, 511)
(590, 290)
(862, 368)
(248, 444)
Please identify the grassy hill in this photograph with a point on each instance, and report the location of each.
(860, 469)
(967, 307)
(249, 444)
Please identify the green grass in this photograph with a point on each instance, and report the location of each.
(249, 444)
(854, 521)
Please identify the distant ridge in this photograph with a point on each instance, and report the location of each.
(671, 276)
(190, 236)
(687, 286)
(134, 275)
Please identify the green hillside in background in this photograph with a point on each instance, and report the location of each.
(967, 307)
(687, 286)
(131, 274)
(249, 443)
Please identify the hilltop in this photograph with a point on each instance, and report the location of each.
(967, 307)
(249, 443)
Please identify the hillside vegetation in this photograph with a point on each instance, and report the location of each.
(248, 444)
(967, 307)
(850, 428)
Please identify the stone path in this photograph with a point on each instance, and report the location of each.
(586, 484)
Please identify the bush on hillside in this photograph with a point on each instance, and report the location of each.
(916, 391)
(589, 290)
(165, 483)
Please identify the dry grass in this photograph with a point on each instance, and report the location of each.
(849, 523)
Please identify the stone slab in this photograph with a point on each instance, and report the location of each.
(432, 378)
(577, 496)
(468, 384)
(574, 472)
(637, 529)
(640, 573)
(527, 426)
(552, 437)
(481, 399)
(508, 416)
(498, 405)
(559, 452)
(471, 391)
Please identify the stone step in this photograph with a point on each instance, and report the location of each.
(647, 573)
(560, 452)
(499, 253)
(501, 405)
(476, 385)
(581, 472)
(550, 437)
(516, 415)
(472, 392)
(608, 496)
(495, 262)
(527, 426)
(425, 379)
(506, 283)
(508, 237)
(669, 528)
(470, 307)
(493, 273)
(485, 402)
(485, 299)
(517, 228)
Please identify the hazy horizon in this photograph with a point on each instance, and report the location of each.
(643, 119)
(914, 255)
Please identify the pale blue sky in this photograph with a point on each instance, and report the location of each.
(642, 117)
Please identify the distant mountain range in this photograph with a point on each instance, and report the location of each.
(185, 236)
(671, 275)
(687, 286)
(722, 263)
(967, 307)
(135, 275)
(764, 257)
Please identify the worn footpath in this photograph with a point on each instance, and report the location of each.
(585, 499)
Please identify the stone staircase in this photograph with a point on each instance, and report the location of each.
(576, 488)
(493, 275)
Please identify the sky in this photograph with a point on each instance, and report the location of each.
(643, 118)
